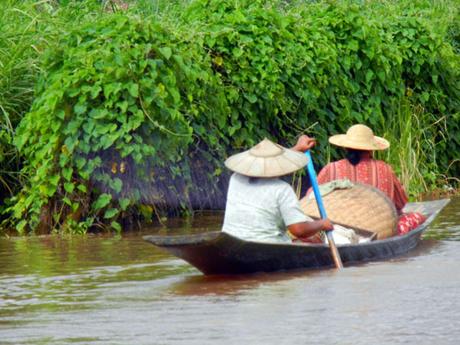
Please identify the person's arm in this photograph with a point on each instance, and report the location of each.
(295, 220)
(400, 197)
(306, 143)
(308, 229)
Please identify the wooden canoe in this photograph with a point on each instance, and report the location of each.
(220, 253)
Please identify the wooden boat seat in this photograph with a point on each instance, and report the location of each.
(361, 207)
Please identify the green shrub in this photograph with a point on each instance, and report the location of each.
(117, 96)
(28, 29)
(22, 39)
(134, 116)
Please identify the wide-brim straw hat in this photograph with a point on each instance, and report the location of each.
(266, 159)
(360, 137)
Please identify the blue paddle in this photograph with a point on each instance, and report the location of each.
(322, 211)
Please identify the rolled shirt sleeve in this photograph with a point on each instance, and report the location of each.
(289, 207)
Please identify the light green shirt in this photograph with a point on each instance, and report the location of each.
(260, 209)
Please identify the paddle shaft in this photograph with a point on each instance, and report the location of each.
(322, 211)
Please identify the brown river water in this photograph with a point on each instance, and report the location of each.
(106, 289)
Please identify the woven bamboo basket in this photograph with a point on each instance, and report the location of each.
(362, 206)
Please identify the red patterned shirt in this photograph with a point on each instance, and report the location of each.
(368, 171)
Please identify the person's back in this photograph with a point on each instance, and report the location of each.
(260, 206)
(368, 171)
(260, 209)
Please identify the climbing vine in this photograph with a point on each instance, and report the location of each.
(133, 116)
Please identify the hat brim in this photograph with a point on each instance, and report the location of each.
(343, 140)
(247, 164)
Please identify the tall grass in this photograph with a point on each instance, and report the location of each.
(22, 38)
(159, 8)
(414, 133)
(412, 152)
(28, 28)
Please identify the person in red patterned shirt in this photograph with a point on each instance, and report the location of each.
(360, 166)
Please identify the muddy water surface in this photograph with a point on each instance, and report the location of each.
(121, 290)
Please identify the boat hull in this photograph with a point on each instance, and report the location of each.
(220, 253)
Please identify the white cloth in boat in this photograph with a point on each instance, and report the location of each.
(343, 235)
(260, 209)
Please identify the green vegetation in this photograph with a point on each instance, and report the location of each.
(23, 38)
(135, 110)
(29, 28)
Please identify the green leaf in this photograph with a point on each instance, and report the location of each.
(97, 114)
(166, 52)
(124, 203)
(123, 106)
(61, 114)
(54, 180)
(175, 94)
(369, 76)
(67, 201)
(101, 202)
(107, 140)
(353, 45)
(134, 90)
(116, 185)
(63, 160)
(251, 98)
(21, 225)
(47, 189)
(67, 173)
(75, 206)
(116, 226)
(72, 127)
(95, 91)
(70, 142)
(80, 162)
(110, 213)
(84, 174)
(112, 88)
(89, 125)
(69, 187)
(79, 109)
(84, 147)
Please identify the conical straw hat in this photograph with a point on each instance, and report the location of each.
(360, 137)
(266, 159)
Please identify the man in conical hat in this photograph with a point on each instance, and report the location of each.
(262, 207)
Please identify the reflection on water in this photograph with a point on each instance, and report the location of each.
(122, 290)
(447, 226)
